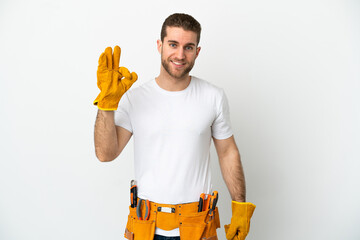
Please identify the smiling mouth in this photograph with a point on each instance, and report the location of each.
(179, 64)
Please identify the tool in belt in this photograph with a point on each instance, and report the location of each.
(133, 193)
(135, 204)
(213, 201)
(208, 201)
(147, 209)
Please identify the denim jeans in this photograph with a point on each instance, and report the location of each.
(158, 237)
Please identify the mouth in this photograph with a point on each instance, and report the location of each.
(178, 64)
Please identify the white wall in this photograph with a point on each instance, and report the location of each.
(291, 73)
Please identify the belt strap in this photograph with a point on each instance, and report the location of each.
(166, 209)
(175, 208)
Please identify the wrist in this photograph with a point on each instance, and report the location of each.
(106, 112)
(240, 199)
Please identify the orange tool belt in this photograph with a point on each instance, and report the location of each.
(193, 225)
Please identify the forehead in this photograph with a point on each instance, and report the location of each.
(180, 35)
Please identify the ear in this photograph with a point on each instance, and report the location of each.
(198, 51)
(159, 45)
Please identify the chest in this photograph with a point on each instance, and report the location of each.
(173, 116)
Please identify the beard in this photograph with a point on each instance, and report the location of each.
(177, 74)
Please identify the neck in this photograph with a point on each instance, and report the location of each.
(169, 83)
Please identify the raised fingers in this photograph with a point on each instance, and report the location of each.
(108, 53)
(102, 61)
(116, 57)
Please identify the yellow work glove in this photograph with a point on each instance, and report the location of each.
(112, 81)
(240, 220)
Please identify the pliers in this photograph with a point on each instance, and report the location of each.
(138, 209)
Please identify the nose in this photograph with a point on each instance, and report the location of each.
(180, 53)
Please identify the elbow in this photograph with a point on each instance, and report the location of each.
(101, 159)
(106, 158)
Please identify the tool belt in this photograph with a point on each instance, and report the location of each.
(193, 225)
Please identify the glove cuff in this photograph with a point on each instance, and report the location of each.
(244, 203)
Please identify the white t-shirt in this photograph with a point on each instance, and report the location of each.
(172, 133)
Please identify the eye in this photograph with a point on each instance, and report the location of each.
(189, 48)
(172, 45)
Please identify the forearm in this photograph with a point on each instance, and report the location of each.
(233, 175)
(105, 138)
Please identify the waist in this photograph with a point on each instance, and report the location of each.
(168, 216)
(182, 208)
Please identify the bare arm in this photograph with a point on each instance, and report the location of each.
(231, 168)
(110, 139)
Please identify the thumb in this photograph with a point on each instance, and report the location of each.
(230, 231)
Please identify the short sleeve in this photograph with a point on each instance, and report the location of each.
(122, 114)
(221, 127)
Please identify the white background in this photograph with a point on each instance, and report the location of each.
(290, 70)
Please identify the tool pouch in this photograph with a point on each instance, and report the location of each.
(199, 226)
(212, 223)
(167, 221)
(139, 229)
(192, 226)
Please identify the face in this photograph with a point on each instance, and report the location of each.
(178, 51)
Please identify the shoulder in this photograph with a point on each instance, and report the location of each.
(208, 87)
(140, 90)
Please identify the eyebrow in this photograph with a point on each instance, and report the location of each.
(188, 44)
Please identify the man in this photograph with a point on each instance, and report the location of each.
(172, 118)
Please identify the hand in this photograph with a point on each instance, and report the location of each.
(112, 81)
(240, 220)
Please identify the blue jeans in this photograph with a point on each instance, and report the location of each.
(158, 237)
